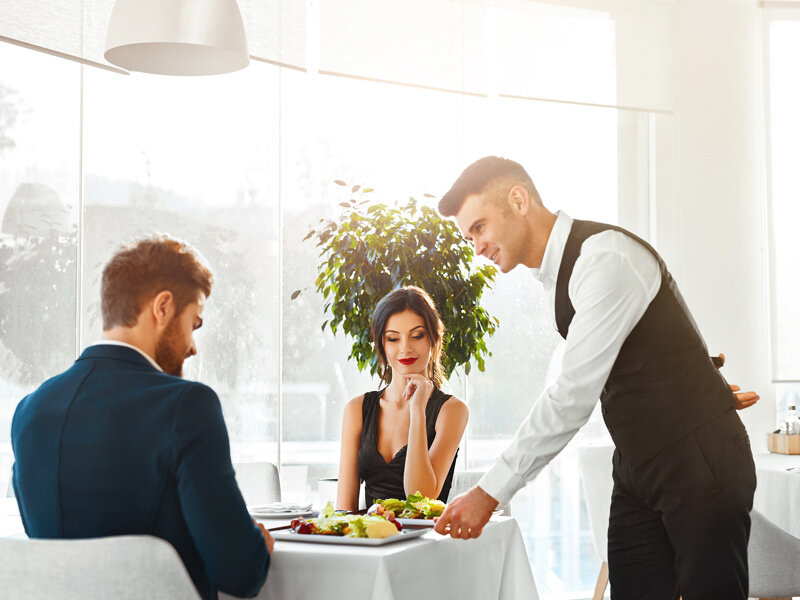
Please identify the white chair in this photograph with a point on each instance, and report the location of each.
(6, 486)
(259, 482)
(119, 567)
(594, 463)
(774, 560)
(464, 480)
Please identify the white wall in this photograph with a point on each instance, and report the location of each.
(710, 218)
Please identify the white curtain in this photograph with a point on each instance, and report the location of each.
(608, 52)
(53, 24)
(616, 52)
(275, 28)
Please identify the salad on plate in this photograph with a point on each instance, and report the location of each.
(415, 506)
(335, 523)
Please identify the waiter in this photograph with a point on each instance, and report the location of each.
(683, 470)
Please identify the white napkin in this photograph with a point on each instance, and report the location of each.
(274, 508)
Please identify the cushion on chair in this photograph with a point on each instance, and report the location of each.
(119, 567)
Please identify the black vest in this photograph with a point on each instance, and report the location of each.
(663, 384)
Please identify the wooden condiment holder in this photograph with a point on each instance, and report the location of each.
(782, 443)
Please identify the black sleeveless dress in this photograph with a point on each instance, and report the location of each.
(385, 480)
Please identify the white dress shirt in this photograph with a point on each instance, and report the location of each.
(132, 347)
(614, 280)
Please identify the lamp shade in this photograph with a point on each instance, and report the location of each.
(177, 37)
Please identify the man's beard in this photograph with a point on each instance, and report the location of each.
(169, 355)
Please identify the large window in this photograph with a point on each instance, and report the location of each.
(196, 158)
(418, 142)
(39, 203)
(240, 166)
(576, 171)
(782, 44)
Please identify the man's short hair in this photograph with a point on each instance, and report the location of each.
(479, 176)
(138, 272)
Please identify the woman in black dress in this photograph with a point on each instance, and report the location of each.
(403, 438)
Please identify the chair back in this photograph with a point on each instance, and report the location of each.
(119, 567)
(464, 480)
(6, 487)
(594, 463)
(773, 557)
(259, 482)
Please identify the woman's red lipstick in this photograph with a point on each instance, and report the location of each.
(408, 361)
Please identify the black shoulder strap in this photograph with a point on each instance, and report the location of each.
(369, 415)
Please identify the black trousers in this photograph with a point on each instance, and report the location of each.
(680, 523)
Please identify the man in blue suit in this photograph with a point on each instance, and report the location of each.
(121, 444)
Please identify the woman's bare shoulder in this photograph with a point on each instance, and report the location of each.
(353, 406)
(455, 406)
(356, 400)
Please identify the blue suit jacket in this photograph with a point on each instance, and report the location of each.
(113, 446)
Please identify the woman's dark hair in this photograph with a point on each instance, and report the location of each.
(417, 300)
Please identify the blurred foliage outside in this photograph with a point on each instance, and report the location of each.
(372, 249)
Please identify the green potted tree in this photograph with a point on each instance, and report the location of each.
(371, 249)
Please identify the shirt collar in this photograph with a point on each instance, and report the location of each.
(132, 347)
(554, 251)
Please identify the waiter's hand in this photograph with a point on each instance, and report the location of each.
(466, 514)
(743, 399)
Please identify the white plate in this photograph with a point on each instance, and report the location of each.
(429, 522)
(290, 536)
(291, 514)
(417, 522)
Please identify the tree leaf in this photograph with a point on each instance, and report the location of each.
(339, 182)
(295, 294)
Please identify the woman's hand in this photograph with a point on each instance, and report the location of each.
(417, 391)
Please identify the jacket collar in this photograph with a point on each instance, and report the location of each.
(116, 352)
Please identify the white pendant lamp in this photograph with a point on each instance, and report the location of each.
(177, 37)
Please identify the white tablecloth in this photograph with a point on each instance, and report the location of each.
(10, 520)
(495, 565)
(778, 492)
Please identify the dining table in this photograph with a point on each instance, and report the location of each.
(494, 565)
(427, 565)
(777, 494)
